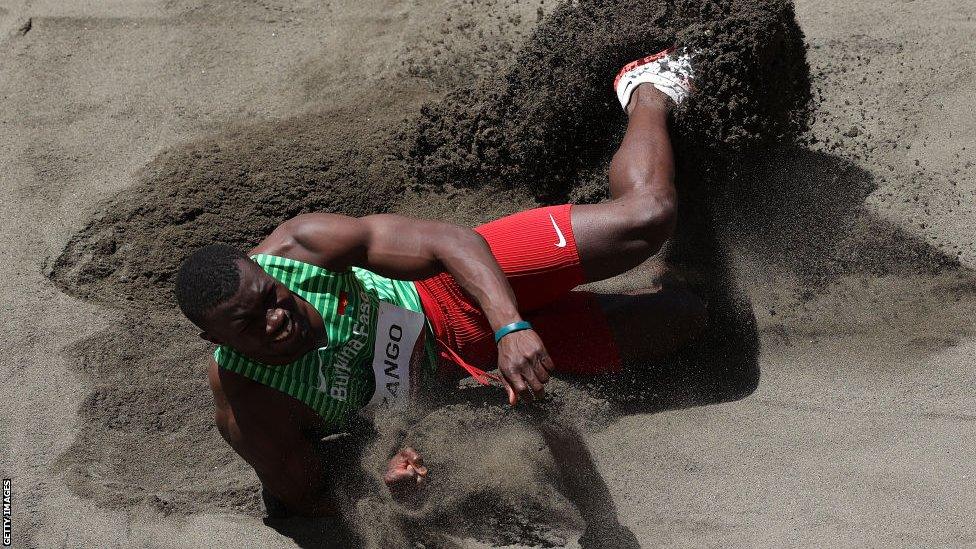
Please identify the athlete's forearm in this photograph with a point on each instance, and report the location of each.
(416, 249)
(413, 249)
(469, 259)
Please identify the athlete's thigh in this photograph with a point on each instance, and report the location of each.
(536, 250)
(587, 333)
(577, 335)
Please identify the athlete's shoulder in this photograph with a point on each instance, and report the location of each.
(329, 241)
(284, 241)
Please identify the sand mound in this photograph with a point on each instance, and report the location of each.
(548, 123)
(495, 482)
(234, 188)
(147, 433)
(551, 116)
(803, 212)
(550, 130)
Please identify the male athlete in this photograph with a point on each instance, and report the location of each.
(331, 314)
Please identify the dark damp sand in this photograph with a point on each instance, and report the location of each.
(854, 257)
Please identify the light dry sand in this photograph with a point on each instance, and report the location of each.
(862, 431)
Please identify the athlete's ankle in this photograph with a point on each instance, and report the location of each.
(647, 97)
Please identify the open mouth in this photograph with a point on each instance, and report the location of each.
(286, 331)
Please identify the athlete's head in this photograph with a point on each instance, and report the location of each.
(235, 303)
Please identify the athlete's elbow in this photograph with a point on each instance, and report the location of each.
(471, 237)
(662, 216)
(455, 239)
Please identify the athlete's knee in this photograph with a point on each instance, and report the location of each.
(650, 216)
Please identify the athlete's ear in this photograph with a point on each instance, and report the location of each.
(207, 336)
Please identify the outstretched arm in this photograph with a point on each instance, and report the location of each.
(412, 249)
(267, 428)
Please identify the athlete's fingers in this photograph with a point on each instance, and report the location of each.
(521, 387)
(419, 476)
(537, 387)
(547, 362)
(541, 373)
(410, 454)
(419, 467)
(516, 386)
(398, 476)
(512, 396)
(403, 482)
(406, 473)
(508, 378)
(415, 474)
(413, 459)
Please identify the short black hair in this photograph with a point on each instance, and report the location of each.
(207, 278)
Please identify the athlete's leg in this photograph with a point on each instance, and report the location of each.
(615, 236)
(546, 252)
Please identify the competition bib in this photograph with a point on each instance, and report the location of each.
(397, 330)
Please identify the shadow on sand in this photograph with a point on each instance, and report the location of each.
(581, 482)
(321, 533)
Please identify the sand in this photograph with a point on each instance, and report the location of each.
(853, 246)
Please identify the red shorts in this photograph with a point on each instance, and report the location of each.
(536, 250)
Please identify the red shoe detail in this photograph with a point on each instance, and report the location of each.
(634, 64)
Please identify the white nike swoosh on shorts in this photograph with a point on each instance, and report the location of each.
(562, 239)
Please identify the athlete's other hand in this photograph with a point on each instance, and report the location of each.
(525, 365)
(406, 473)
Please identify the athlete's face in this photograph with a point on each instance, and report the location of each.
(263, 321)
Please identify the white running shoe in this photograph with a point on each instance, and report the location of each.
(666, 71)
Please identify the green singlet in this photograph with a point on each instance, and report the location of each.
(372, 323)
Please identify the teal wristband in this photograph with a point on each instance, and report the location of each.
(509, 328)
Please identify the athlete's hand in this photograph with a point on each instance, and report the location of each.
(525, 365)
(405, 473)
